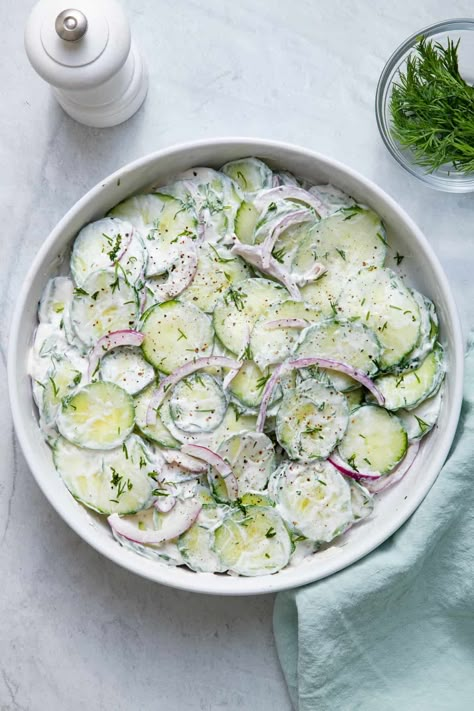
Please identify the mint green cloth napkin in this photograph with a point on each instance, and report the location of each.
(395, 630)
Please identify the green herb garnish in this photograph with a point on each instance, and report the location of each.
(432, 108)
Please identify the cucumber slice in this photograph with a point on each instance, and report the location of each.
(98, 416)
(141, 210)
(158, 432)
(311, 421)
(421, 420)
(269, 346)
(107, 482)
(332, 199)
(247, 386)
(354, 398)
(254, 543)
(164, 241)
(343, 243)
(127, 368)
(217, 269)
(234, 422)
(164, 552)
(292, 237)
(100, 244)
(314, 499)
(240, 306)
(375, 441)
(323, 294)
(64, 376)
(429, 329)
(246, 222)
(196, 545)
(378, 298)
(411, 387)
(250, 174)
(252, 458)
(104, 303)
(345, 341)
(55, 300)
(255, 498)
(362, 501)
(175, 333)
(217, 198)
(198, 403)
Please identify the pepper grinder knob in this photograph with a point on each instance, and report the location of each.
(87, 55)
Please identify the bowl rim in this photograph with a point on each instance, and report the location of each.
(202, 582)
(435, 181)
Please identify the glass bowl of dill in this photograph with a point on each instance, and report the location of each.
(425, 105)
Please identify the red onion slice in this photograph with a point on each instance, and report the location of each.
(219, 464)
(179, 374)
(292, 218)
(343, 467)
(287, 192)
(180, 519)
(115, 339)
(331, 364)
(305, 363)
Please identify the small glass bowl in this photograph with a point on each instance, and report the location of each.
(446, 177)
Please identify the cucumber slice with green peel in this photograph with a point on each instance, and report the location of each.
(99, 245)
(252, 459)
(217, 269)
(164, 241)
(247, 386)
(375, 440)
(344, 242)
(157, 432)
(175, 333)
(164, 552)
(234, 422)
(98, 416)
(379, 299)
(272, 342)
(196, 545)
(63, 378)
(141, 210)
(107, 482)
(362, 501)
(55, 300)
(104, 303)
(255, 498)
(198, 403)
(421, 420)
(355, 398)
(332, 199)
(323, 294)
(240, 306)
(410, 388)
(349, 342)
(127, 368)
(250, 174)
(314, 499)
(311, 421)
(429, 328)
(288, 242)
(256, 542)
(246, 222)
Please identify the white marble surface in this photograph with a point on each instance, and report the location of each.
(75, 630)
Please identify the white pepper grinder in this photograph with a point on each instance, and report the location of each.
(88, 56)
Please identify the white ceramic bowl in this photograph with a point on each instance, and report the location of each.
(423, 271)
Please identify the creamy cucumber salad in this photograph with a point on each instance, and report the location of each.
(233, 368)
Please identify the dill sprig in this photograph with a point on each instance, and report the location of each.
(432, 108)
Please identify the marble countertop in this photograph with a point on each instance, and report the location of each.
(76, 631)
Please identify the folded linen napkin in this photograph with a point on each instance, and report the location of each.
(396, 629)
